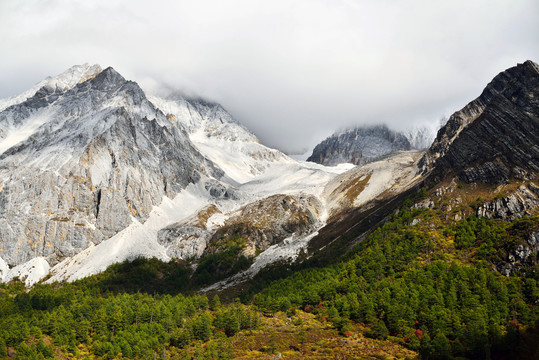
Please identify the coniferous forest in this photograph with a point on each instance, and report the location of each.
(430, 289)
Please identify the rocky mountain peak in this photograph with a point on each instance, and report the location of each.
(106, 156)
(496, 136)
(107, 80)
(359, 145)
(57, 84)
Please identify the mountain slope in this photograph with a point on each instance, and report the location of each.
(105, 154)
(501, 140)
(220, 138)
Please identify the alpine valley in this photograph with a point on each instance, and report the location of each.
(137, 226)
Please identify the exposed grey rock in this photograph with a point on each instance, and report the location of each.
(516, 205)
(185, 240)
(424, 204)
(267, 222)
(98, 154)
(359, 146)
(259, 224)
(496, 136)
(220, 191)
(521, 256)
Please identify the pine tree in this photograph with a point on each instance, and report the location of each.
(3, 347)
(215, 303)
(440, 347)
(202, 327)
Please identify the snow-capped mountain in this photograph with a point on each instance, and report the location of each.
(62, 82)
(91, 171)
(361, 145)
(220, 138)
(94, 158)
(421, 137)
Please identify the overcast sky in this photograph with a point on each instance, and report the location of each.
(291, 71)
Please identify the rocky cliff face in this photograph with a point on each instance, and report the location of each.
(77, 164)
(496, 136)
(259, 225)
(268, 221)
(358, 146)
(522, 202)
(523, 257)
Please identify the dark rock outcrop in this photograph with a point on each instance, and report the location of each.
(521, 257)
(495, 137)
(358, 146)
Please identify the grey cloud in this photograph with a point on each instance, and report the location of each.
(292, 71)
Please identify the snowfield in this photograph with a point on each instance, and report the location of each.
(30, 272)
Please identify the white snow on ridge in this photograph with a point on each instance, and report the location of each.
(236, 150)
(241, 161)
(293, 178)
(392, 174)
(65, 81)
(251, 166)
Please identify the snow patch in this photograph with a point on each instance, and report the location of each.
(216, 220)
(293, 178)
(137, 240)
(4, 269)
(15, 135)
(31, 272)
(101, 168)
(395, 172)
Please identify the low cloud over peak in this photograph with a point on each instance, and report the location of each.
(291, 71)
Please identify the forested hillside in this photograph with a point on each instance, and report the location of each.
(425, 283)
